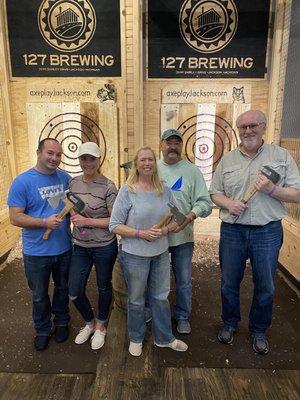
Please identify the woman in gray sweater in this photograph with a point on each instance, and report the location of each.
(139, 206)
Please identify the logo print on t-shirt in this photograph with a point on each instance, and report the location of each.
(50, 191)
(177, 185)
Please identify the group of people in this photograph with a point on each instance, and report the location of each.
(151, 241)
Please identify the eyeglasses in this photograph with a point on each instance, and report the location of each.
(252, 127)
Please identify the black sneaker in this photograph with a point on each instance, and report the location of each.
(41, 342)
(260, 343)
(225, 334)
(61, 334)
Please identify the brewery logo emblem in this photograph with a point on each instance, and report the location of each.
(208, 25)
(67, 25)
(238, 94)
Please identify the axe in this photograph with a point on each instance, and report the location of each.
(174, 212)
(71, 202)
(127, 166)
(268, 172)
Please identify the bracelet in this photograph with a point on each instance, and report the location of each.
(272, 190)
(44, 222)
(137, 233)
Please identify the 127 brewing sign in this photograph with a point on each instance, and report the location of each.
(64, 37)
(207, 38)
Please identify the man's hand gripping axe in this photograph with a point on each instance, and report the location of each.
(269, 173)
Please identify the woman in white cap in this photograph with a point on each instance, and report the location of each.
(94, 244)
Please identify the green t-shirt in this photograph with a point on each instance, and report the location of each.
(190, 192)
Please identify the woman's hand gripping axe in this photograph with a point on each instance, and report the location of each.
(72, 202)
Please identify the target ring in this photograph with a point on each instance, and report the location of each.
(71, 130)
(197, 132)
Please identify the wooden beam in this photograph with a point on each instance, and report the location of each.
(138, 73)
(4, 85)
(278, 67)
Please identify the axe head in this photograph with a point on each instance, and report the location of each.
(79, 205)
(126, 165)
(179, 216)
(54, 201)
(272, 175)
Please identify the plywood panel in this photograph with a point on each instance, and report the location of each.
(8, 233)
(109, 120)
(289, 254)
(205, 139)
(169, 117)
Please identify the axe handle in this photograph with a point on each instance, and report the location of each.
(67, 208)
(164, 220)
(248, 195)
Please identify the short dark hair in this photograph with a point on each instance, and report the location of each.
(41, 144)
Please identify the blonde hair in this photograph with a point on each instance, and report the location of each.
(134, 174)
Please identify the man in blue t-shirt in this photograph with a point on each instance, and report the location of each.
(29, 209)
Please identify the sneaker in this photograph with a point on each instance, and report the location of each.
(177, 345)
(41, 342)
(260, 343)
(184, 326)
(135, 349)
(61, 334)
(98, 339)
(84, 334)
(225, 334)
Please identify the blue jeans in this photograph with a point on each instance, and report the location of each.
(38, 270)
(260, 244)
(181, 261)
(154, 271)
(83, 259)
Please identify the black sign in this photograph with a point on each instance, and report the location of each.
(64, 37)
(207, 38)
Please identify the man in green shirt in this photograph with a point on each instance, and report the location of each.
(253, 230)
(192, 198)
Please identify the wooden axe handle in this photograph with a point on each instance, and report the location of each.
(164, 220)
(250, 193)
(67, 208)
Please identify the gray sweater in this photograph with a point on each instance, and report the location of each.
(141, 210)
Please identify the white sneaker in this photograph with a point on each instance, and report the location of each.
(135, 349)
(177, 345)
(98, 339)
(84, 334)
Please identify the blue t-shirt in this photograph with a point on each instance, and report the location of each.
(30, 190)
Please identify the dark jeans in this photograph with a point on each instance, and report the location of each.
(261, 244)
(38, 270)
(181, 261)
(82, 262)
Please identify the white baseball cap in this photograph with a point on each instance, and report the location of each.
(90, 148)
